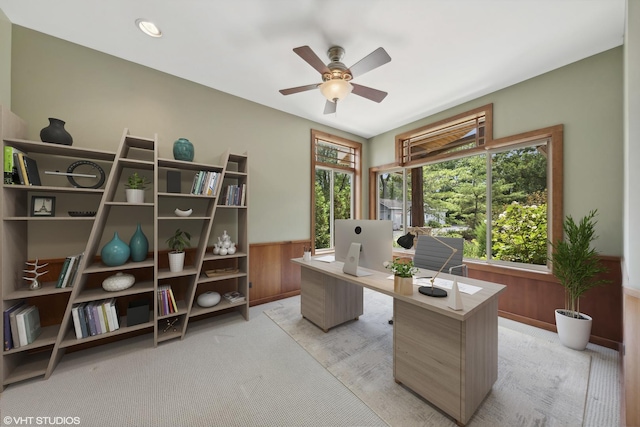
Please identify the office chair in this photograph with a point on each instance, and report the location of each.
(431, 254)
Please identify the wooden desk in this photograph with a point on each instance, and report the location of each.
(448, 357)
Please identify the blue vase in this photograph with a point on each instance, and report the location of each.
(183, 150)
(139, 245)
(116, 252)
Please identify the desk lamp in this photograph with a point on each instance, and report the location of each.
(432, 291)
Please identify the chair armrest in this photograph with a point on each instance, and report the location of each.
(465, 271)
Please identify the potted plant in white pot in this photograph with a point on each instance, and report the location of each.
(136, 185)
(577, 266)
(403, 271)
(177, 243)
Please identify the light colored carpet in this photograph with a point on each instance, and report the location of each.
(226, 372)
(540, 383)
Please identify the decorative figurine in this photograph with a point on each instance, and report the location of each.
(35, 283)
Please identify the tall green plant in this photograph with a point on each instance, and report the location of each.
(575, 262)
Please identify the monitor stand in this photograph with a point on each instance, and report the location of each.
(351, 263)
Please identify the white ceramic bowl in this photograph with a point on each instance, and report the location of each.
(208, 299)
(183, 213)
(118, 282)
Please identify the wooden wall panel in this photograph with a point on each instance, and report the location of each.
(532, 298)
(271, 272)
(631, 358)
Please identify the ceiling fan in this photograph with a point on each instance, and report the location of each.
(336, 77)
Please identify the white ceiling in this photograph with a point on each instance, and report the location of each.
(444, 52)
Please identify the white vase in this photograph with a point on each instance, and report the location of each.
(573, 332)
(176, 261)
(134, 195)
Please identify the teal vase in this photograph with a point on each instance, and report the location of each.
(116, 252)
(183, 150)
(139, 245)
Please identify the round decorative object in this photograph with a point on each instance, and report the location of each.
(118, 282)
(85, 174)
(179, 212)
(116, 252)
(208, 299)
(82, 213)
(56, 133)
(183, 150)
(139, 245)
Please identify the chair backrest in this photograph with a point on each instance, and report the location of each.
(431, 254)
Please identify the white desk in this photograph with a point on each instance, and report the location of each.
(448, 357)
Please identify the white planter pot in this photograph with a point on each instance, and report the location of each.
(176, 261)
(573, 332)
(134, 196)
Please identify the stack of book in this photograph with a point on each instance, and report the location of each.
(19, 168)
(95, 317)
(204, 183)
(234, 195)
(68, 271)
(234, 296)
(21, 325)
(166, 301)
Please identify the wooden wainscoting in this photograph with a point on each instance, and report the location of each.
(272, 274)
(532, 297)
(631, 358)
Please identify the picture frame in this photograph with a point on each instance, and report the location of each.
(43, 206)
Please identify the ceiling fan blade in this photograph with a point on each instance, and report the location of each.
(368, 92)
(311, 58)
(330, 107)
(375, 59)
(292, 90)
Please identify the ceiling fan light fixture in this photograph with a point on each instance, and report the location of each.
(336, 89)
(148, 27)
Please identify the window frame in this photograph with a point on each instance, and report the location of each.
(555, 177)
(356, 171)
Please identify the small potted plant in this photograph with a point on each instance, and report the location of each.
(577, 266)
(403, 271)
(177, 243)
(136, 185)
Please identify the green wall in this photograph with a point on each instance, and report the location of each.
(5, 60)
(99, 95)
(587, 98)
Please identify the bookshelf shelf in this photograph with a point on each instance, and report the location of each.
(134, 153)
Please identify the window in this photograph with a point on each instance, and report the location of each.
(503, 196)
(336, 165)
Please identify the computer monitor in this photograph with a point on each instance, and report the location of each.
(375, 240)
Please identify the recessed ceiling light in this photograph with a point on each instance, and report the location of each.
(148, 27)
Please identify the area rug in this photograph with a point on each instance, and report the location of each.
(540, 383)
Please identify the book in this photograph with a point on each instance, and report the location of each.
(31, 167)
(32, 324)
(101, 317)
(75, 314)
(173, 301)
(16, 163)
(95, 318)
(10, 170)
(22, 328)
(234, 296)
(22, 169)
(90, 321)
(63, 272)
(13, 319)
(74, 270)
(72, 260)
(84, 326)
(114, 311)
(8, 339)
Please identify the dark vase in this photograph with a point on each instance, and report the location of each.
(116, 252)
(56, 133)
(139, 245)
(183, 150)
